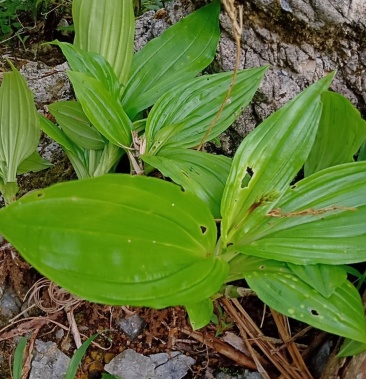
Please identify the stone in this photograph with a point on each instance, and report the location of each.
(131, 365)
(48, 361)
(9, 303)
(238, 374)
(132, 326)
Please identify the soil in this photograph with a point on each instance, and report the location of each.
(165, 330)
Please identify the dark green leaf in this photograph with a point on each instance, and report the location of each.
(351, 347)
(119, 239)
(200, 313)
(18, 358)
(200, 173)
(33, 163)
(182, 116)
(340, 134)
(180, 53)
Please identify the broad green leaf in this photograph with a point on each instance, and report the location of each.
(321, 219)
(106, 27)
(92, 64)
(340, 134)
(268, 160)
(351, 347)
(78, 357)
(19, 124)
(323, 278)
(182, 116)
(199, 173)
(33, 163)
(71, 117)
(180, 53)
(119, 239)
(362, 152)
(200, 313)
(102, 109)
(341, 313)
(109, 158)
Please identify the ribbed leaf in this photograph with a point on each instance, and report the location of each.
(199, 173)
(19, 125)
(182, 116)
(340, 134)
(33, 163)
(106, 27)
(71, 117)
(119, 239)
(321, 219)
(180, 53)
(341, 313)
(268, 160)
(200, 313)
(92, 64)
(351, 347)
(102, 109)
(323, 278)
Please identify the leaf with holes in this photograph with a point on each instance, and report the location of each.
(268, 160)
(182, 116)
(340, 134)
(199, 173)
(179, 54)
(119, 239)
(106, 28)
(319, 220)
(341, 313)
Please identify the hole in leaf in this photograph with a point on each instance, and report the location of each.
(262, 267)
(313, 312)
(247, 177)
(40, 195)
(229, 244)
(203, 229)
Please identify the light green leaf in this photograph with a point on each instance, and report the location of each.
(106, 27)
(92, 64)
(199, 173)
(268, 160)
(71, 117)
(102, 109)
(119, 239)
(341, 313)
(321, 219)
(200, 313)
(19, 125)
(33, 163)
(18, 358)
(340, 134)
(180, 53)
(323, 278)
(182, 116)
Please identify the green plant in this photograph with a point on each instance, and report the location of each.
(19, 133)
(9, 10)
(136, 240)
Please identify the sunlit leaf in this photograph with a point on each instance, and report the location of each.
(340, 134)
(182, 116)
(321, 219)
(268, 160)
(119, 239)
(102, 109)
(33, 163)
(341, 313)
(200, 173)
(106, 27)
(180, 53)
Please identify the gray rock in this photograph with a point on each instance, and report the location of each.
(239, 374)
(9, 303)
(132, 326)
(131, 365)
(48, 361)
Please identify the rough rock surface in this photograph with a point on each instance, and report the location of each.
(301, 40)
